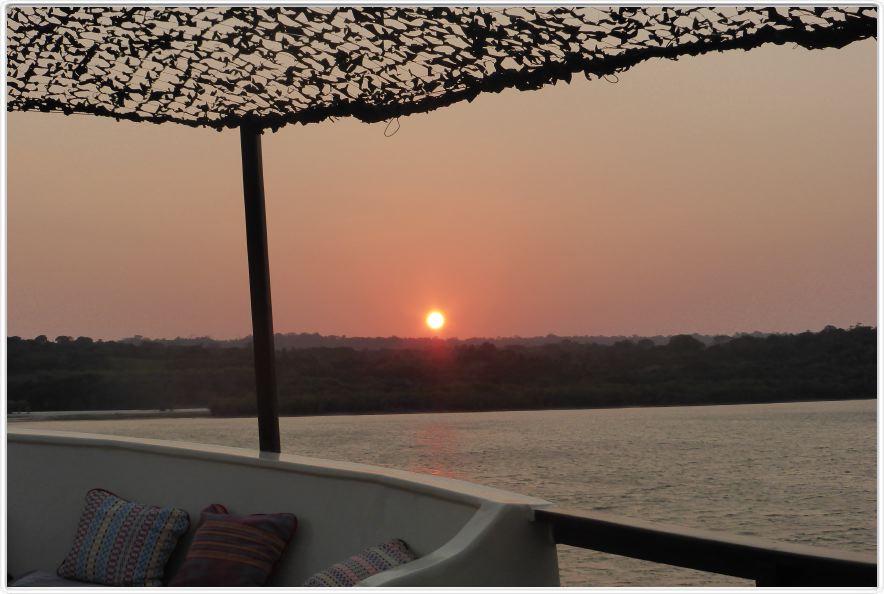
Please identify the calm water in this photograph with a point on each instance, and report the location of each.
(800, 472)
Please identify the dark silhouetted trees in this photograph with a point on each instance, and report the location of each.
(83, 374)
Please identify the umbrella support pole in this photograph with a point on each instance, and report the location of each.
(259, 288)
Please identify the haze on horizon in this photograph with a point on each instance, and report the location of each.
(718, 194)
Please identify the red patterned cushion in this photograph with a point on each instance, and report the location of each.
(122, 543)
(235, 551)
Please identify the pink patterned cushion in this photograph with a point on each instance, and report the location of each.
(365, 564)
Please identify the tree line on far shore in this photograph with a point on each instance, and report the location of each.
(82, 374)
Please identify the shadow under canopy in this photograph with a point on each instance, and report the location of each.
(260, 68)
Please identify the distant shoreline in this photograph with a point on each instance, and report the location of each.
(114, 415)
(600, 407)
(102, 415)
(82, 377)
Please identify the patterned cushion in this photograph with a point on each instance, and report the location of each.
(365, 564)
(121, 543)
(231, 551)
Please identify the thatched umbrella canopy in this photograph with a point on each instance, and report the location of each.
(263, 67)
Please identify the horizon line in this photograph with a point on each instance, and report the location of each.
(551, 335)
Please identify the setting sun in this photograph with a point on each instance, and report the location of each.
(435, 320)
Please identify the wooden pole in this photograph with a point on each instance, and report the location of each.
(259, 287)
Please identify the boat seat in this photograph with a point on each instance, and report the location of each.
(48, 579)
(464, 534)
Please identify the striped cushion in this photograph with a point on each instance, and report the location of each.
(121, 543)
(235, 551)
(365, 564)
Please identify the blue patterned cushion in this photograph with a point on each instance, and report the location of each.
(365, 564)
(121, 543)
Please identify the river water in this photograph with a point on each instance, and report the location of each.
(798, 472)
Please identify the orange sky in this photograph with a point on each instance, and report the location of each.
(724, 193)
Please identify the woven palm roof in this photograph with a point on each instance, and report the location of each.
(266, 66)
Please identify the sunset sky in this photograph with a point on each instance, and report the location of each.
(718, 194)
